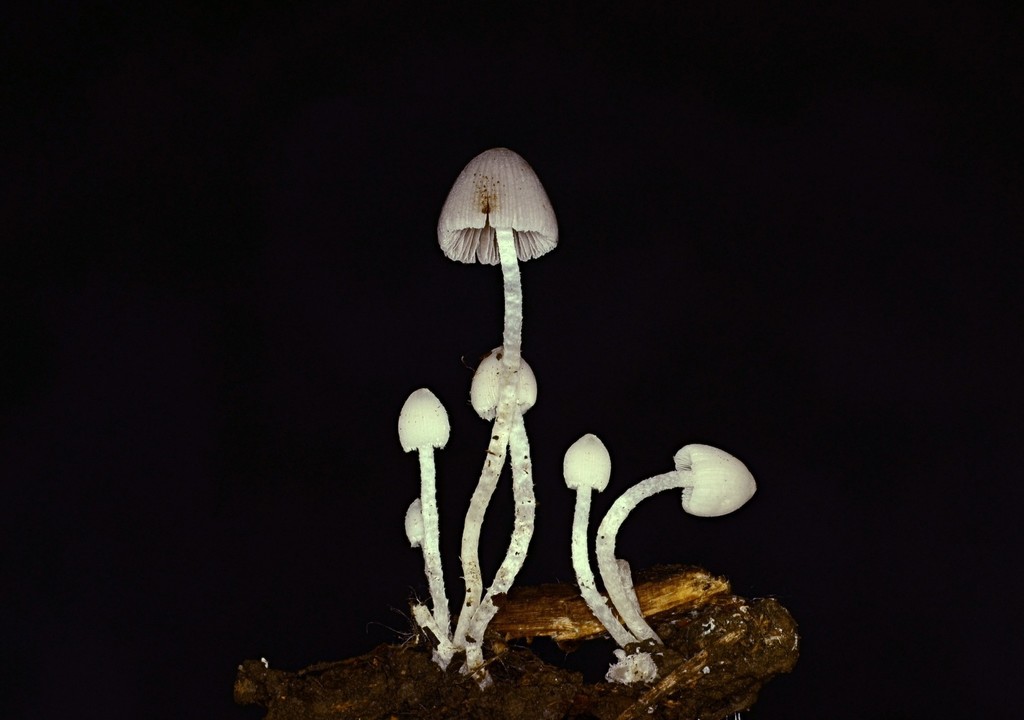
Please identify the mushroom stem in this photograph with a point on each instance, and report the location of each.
(606, 563)
(445, 650)
(510, 361)
(522, 531)
(513, 332)
(471, 528)
(431, 541)
(585, 576)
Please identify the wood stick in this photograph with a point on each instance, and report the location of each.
(557, 611)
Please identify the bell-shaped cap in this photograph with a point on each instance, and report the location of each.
(717, 483)
(587, 464)
(483, 392)
(423, 422)
(496, 190)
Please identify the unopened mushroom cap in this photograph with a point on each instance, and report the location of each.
(483, 392)
(423, 422)
(720, 482)
(496, 190)
(414, 523)
(587, 464)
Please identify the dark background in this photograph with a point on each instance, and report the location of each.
(789, 233)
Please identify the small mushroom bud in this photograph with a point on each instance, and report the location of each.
(414, 524)
(484, 392)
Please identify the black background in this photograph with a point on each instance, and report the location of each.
(787, 232)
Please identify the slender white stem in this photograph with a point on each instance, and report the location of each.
(471, 533)
(585, 576)
(512, 338)
(522, 528)
(513, 332)
(431, 541)
(624, 598)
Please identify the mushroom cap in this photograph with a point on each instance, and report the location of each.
(423, 422)
(587, 464)
(483, 392)
(719, 483)
(414, 523)
(496, 190)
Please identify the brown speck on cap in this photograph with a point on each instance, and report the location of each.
(497, 190)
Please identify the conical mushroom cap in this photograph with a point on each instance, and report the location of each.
(720, 482)
(587, 464)
(423, 422)
(497, 189)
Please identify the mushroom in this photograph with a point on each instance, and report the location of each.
(484, 398)
(496, 212)
(587, 467)
(423, 426)
(414, 523)
(713, 483)
(485, 389)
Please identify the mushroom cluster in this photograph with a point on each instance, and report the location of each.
(712, 482)
(498, 213)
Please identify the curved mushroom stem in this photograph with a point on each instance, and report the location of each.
(522, 531)
(510, 360)
(714, 483)
(431, 543)
(622, 597)
(585, 576)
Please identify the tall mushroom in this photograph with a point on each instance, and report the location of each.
(423, 426)
(496, 212)
(586, 468)
(713, 483)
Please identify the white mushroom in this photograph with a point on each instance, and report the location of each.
(423, 426)
(414, 523)
(587, 467)
(484, 398)
(496, 212)
(713, 483)
(485, 389)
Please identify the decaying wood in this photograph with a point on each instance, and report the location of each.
(557, 611)
(718, 652)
